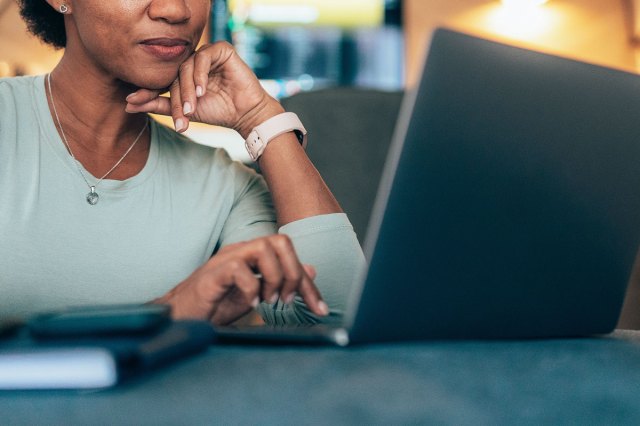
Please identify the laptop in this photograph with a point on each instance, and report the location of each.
(509, 206)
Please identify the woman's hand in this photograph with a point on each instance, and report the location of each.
(241, 275)
(214, 86)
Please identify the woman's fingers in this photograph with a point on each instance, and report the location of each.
(281, 273)
(229, 280)
(180, 105)
(312, 298)
(293, 279)
(141, 101)
(242, 277)
(180, 121)
(142, 96)
(293, 272)
(279, 268)
(148, 101)
(320, 305)
(310, 270)
(265, 259)
(213, 86)
(201, 69)
(187, 87)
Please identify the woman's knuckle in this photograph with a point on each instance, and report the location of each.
(202, 52)
(223, 44)
(284, 242)
(295, 276)
(234, 265)
(261, 244)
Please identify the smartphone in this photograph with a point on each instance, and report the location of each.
(122, 319)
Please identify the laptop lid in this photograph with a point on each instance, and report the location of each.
(510, 202)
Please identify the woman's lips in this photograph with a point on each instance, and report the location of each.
(165, 48)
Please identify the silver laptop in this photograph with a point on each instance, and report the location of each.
(509, 206)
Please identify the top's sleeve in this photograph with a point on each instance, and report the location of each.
(329, 243)
(326, 242)
(252, 214)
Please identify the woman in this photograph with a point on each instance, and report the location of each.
(101, 204)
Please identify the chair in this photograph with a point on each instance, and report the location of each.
(350, 130)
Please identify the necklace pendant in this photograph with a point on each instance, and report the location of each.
(93, 197)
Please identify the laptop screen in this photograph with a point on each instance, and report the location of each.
(510, 202)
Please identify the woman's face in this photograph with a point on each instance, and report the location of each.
(141, 42)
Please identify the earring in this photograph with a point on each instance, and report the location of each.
(64, 8)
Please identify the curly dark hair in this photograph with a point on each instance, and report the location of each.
(44, 22)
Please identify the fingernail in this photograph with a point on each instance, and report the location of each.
(199, 91)
(274, 298)
(179, 124)
(323, 308)
(289, 298)
(129, 96)
(255, 302)
(186, 108)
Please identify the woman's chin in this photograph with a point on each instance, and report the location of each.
(155, 80)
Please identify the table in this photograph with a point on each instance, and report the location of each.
(576, 381)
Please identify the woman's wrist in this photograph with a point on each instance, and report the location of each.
(258, 115)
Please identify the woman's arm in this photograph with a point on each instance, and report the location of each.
(215, 86)
(297, 188)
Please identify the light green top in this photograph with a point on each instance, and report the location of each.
(148, 232)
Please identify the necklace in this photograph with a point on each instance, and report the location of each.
(92, 196)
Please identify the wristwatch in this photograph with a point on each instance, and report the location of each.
(262, 134)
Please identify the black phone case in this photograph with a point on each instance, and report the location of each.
(100, 320)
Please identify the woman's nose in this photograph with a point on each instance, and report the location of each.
(171, 11)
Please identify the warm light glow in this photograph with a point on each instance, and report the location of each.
(525, 23)
(343, 13)
(523, 3)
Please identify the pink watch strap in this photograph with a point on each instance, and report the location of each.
(262, 134)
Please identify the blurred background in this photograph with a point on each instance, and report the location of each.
(305, 45)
